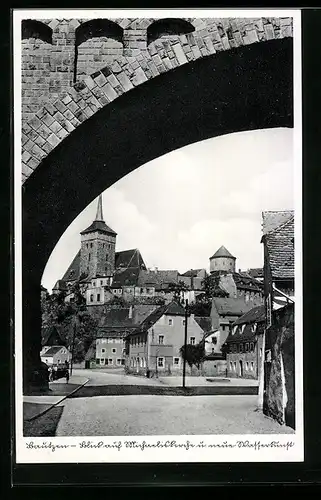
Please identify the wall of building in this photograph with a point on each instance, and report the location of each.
(214, 368)
(173, 339)
(59, 358)
(251, 359)
(109, 350)
(279, 398)
(256, 298)
(228, 284)
(222, 264)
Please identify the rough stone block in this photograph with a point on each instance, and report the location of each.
(179, 53)
(109, 92)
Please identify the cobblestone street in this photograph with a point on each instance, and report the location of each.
(164, 415)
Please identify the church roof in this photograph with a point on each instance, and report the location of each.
(100, 226)
(129, 258)
(222, 252)
(73, 270)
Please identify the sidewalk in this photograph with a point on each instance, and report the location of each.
(36, 405)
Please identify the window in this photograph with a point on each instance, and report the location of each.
(261, 352)
(113, 350)
(170, 321)
(176, 361)
(246, 347)
(251, 347)
(103, 350)
(241, 347)
(101, 282)
(94, 283)
(124, 351)
(161, 340)
(91, 298)
(89, 255)
(252, 366)
(246, 366)
(122, 361)
(235, 366)
(192, 341)
(223, 328)
(91, 245)
(98, 297)
(118, 361)
(102, 361)
(110, 361)
(184, 321)
(231, 366)
(160, 362)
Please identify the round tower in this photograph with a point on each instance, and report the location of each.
(222, 260)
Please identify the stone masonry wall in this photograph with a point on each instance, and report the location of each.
(58, 95)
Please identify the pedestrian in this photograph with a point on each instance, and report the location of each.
(67, 376)
(50, 374)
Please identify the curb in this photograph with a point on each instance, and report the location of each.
(57, 403)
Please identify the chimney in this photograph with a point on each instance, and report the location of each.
(130, 312)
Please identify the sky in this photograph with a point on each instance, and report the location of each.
(181, 207)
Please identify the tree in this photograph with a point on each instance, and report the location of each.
(193, 354)
(212, 287)
(177, 289)
(201, 306)
(76, 326)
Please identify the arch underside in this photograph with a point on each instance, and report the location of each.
(244, 89)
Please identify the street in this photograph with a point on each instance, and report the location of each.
(160, 415)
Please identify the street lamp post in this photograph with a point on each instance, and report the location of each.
(72, 347)
(185, 342)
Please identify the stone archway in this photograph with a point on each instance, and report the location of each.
(243, 89)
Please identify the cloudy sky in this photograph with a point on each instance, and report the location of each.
(179, 208)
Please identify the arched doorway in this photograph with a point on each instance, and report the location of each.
(242, 89)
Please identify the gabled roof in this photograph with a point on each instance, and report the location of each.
(274, 219)
(248, 334)
(99, 226)
(205, 322)
(278, 236)
(127, 277)
(49, 334)
(227, 306)
(255, 315)
(158, 278)
(192, 273)
(119, 321)
(91, 353)
(53, 350)
(172, 309)
(222, 252)
(129, 258)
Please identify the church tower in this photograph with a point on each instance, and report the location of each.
(222, 260)
(98, 242)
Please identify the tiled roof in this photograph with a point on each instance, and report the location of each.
(157, 278)
(48, 334)
(204, 322)
(172, 309)
(126, 277)
(274, 219)
(100, 226)
(257, 314)
(192, 273)
(52, 351)
(248, 334)
(118, 323)
(222, 252)
(256, 272)
(129, 258)
(73, 270)
(278, 230)
(245, 281)
(230, 306)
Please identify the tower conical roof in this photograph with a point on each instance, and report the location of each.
(99, 224)
(222, 252)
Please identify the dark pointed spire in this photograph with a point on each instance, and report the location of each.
(99, 214)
